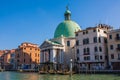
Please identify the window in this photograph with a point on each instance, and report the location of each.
(110, 36)
(117, 35)
(18, 61)
(100, 49)
(24, 60)
(77, 58)
(105, 32)
(83, 41)
(84, 51)
(94, 30)
(77, 51)
(99, 40)
(105, 40)
(96, 57)
(86, 41)
(101, 57)
(118, 46)
(118, 56)
(96, 49)
(88, 50)
(68, 43)
(95, 39)
(77, 42)
(30, 48)
(83, 33)
(111, 47)
(98, 30)
(76, 34)
(87, 58)
(30, 60)
(112, 56)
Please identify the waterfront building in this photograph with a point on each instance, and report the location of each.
(114, 49)
(91, 47)
(27, 56)
(1, 60)
(58, 51)
(6, 59)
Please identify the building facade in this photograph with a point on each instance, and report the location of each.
(91, 47)
(114, 49)
(27, 56)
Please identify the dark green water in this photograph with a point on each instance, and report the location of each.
(35, 76)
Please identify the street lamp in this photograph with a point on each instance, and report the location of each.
(71, 67)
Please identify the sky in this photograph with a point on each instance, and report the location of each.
(36, 20)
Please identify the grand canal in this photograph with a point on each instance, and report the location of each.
(35, 76)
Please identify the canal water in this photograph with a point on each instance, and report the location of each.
(35, 76)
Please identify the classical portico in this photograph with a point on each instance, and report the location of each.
(51, 53)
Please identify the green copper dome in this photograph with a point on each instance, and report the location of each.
(66, 28)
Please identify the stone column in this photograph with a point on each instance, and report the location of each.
(51, 55)
(43, 56)
(54, 55)
(61, 56)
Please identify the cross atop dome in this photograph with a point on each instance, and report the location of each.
(67, 8)
(67, 13)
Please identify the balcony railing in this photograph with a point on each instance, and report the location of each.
(117, 38)
(86, 54)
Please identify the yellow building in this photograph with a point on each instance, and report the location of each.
(114, 49)
(27, 56)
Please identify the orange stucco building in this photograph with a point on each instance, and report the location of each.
(27, 56)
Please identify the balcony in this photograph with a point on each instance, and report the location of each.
(86, 54)
(118, 49)
(117, 38)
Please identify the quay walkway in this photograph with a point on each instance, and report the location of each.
(100, 71)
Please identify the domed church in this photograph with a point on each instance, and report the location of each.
(56, 53)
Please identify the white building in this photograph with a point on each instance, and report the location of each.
(91, 47)
(114, 49)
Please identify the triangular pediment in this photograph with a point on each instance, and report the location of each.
(48, 43)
